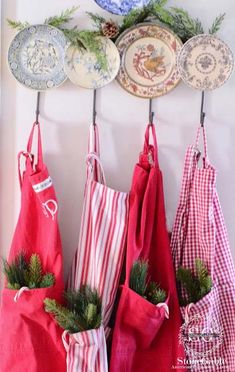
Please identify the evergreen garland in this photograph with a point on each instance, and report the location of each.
(196, 285)
(21, 273)
(177, 19)
(81, 313)
(151, 291)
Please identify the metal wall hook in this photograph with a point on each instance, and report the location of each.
(202, 113)
(37, 108)
(94, 107)
(151, 113)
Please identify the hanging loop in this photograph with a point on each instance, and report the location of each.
(37, 108)
(94, 108)
(151, 113)
(202, 113)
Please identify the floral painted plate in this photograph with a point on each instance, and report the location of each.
(121, 7)
(36, 57)
(205, 62)
(148, 60)
(84, 70)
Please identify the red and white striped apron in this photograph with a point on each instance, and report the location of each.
(199, 232)
(99, 257)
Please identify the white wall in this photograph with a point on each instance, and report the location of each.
(66, 115)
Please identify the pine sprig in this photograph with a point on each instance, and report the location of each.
(82, 311)
(139, 283)
(184, 25)
(217, 24)
(48, 280)
(17, 25)
(155, 294)
(196, 285)
(21, 273)
(35, 271)
(138, 277)
(97, 19)
(64, 317)
(55, 21)
(64, 17)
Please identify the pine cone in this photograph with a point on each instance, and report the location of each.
(110, 29)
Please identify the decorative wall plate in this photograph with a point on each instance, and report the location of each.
(121, 7)
(83, 69)
(148, 60)
(36, 57)
(205, 62)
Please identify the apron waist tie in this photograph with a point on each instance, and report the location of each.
(19, 293)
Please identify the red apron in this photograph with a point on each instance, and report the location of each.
(199, 231)
(143, 339)
(30, 340)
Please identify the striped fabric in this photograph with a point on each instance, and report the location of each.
(199, 232)
(86, 351)
(99, 257)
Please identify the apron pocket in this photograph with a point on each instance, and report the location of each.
(202, 331)
(86, 351)
(139, 319)
(30, 339)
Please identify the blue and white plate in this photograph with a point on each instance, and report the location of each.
(83, 69)
(36, 57)
(121, 7)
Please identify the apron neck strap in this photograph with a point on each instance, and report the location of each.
(29, 157)
(202, 129)
(151, 150)
(95, 169)
(39, 164)
(94, 143)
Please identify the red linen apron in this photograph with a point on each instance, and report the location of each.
(143, 340)
(199, 232)
(99, 258)
(30, 340)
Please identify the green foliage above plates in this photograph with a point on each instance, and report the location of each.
(177, 19)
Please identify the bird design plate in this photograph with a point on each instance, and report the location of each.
(205, 62)
(148, 60)
(84, 70)
(36, 57)
(121, 7)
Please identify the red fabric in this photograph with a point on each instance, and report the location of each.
(143, 339)
(30, 340)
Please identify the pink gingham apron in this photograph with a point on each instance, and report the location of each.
(199, 232)
(98, 260)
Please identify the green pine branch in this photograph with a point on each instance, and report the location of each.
(35, 271)
(64, 17)
(82, 311)
(48, 280)
(195, 285)
(97, 19)
(17, 25)
(139, 283)
(155, 294)
(138, 277)
(217, 24)
(20, 273)
(64, 317)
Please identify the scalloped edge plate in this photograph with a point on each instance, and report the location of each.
(36, 57)
(205, 62)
